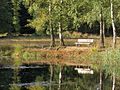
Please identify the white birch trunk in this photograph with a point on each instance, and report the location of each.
(60, 28)
(101, 30)
(100, 80)
(113, 25)
(104, 30)
(60, 76)
(114, 38)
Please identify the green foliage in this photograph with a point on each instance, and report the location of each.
(39, 21)
(67, 34)
(16, 8)
(66, 12)
(108, 61)
(14, 87)
(111, 61)
(72, 13)
(39, 11)
(74, 34)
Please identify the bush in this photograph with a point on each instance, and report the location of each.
(68, 34)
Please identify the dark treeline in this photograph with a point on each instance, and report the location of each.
(24, 16)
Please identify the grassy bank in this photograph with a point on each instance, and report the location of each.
(38, 42)
(37, 50)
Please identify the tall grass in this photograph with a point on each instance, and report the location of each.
(17, 55)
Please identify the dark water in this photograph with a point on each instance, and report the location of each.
(50, 77)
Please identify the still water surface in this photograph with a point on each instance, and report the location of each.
(49, 77)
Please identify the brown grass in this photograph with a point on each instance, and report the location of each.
(69, 55)
(65, 56)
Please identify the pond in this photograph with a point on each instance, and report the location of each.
(50, 77)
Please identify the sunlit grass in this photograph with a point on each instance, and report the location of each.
(38, 42)
(38, 49)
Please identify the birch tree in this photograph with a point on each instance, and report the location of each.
(41, 10)
(114, 38)
(98, 12)
(50, 25)
(60, 25)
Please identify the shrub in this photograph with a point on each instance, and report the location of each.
(74, 34)
(68, 34)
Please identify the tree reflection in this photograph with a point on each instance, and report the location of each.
(16, 64)
(51, 76)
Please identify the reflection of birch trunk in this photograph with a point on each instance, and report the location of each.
(15, 76)
(51, 76)
(16, 80)
(113, 86)
(17, 63)
(60, 76)
(101, 79)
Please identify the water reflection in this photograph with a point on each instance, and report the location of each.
(49, 77)
(16, 76)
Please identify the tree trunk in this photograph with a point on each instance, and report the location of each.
(104, 30)
(114, 38)
(52, 37)
(60, 35)
(9, 35)
(51, 76)
(60, 76)
(113, 25)
(101, 84)
(50, 26)
(113, 86)
(101, 30)
(60, 28)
